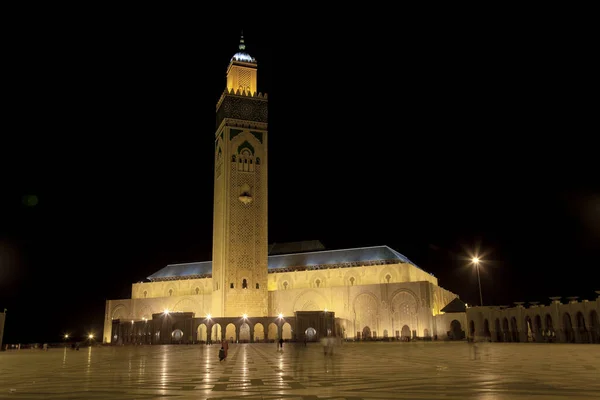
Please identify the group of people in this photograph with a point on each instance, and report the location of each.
(328, 342)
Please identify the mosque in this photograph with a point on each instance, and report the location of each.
(252, 291)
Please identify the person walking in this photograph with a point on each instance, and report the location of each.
(221, 354)
(280, 345)
(225, 346)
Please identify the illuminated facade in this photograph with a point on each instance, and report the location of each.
(571, 322)
(248, 293)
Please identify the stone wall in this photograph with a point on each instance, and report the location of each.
(378, 310)
(451, 326)
(183, 287)
(566, 322)
(353, 276)
(140, 309)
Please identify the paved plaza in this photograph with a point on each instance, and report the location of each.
(377, 370)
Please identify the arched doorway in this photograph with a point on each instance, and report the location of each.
(595, 326)
(286, 331)
(472, 329)
(201, 333)
(311, 334)
(230, 333)
(425, 333)
(514, 330)
(405, 333)
(273, 332)
(550, 335)
(498, 329)
(506, 331)
(584, 336)
(177, 336)
(366, 333)
(244, 333)
(537, 327)
(486, 330)
(569, 334)
(456, 332)
(259, 332)
(215, 333)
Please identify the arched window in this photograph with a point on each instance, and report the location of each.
(285, 285)
(388, 277)
(257, 286)
(244, 284)
(231, 285)
(170, 292)
(318, 283)
(145, 293)
(197, 290)
(352, 281)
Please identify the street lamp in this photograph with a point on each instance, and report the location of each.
(475, 261)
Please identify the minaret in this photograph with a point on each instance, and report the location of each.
(239, 266)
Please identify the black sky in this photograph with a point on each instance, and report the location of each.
(433, 141)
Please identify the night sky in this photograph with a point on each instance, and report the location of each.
(435, 142)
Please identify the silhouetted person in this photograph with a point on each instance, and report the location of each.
(221, 354)
(225, 346)
(280, 344)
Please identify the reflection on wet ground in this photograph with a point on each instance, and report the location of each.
(259, 371)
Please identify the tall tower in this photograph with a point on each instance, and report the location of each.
(239, 270)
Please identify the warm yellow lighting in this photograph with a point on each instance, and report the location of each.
(280, 315)
(245, 316)
(166, 311)
(91, 336)
(132, 321)
(475, 260)
(325, 310)
(66, 335)
(208, 316)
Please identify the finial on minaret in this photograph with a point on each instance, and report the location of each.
(242, 45)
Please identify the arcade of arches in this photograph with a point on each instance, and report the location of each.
(573, 322)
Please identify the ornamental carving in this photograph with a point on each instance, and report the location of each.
(243, 108)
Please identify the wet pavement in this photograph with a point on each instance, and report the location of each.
(417, 370)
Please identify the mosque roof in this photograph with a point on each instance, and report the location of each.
(295, 247)
(455, 306)
(326, 259)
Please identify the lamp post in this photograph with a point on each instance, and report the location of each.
(475, 261)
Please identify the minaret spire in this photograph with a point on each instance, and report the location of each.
(242, 44)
